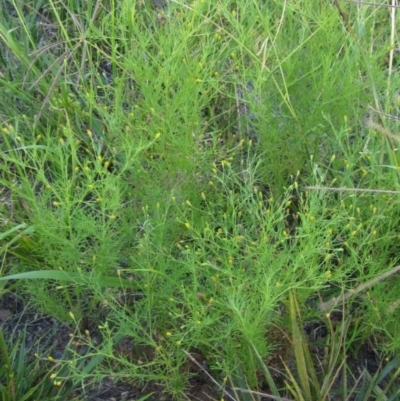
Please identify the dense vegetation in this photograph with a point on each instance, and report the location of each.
(206, 193)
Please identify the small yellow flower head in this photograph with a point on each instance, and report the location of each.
(168, 334)
(158, 135)
(89, 132)
(58, 383)
(72, 316)
(53, 376)
(55, 204)
(179, 343)
(113, 217)
(39, 137)
(187, 225)
(86, 169)
(50, 358)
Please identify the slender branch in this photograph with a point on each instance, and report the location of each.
(365, 3)
(324, 306)
(343, 189)
(208, 375)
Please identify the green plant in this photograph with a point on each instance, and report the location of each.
(175, 174)
(24, 379)
(319, 380)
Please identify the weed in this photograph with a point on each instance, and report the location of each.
(194, 177)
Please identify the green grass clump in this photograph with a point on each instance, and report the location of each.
(192, 177)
